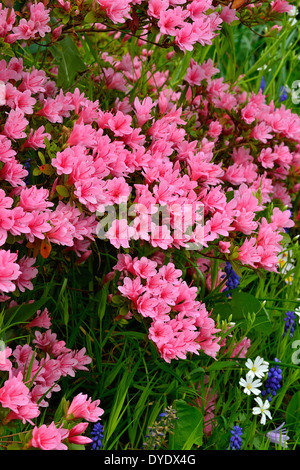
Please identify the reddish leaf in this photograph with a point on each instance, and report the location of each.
(45, 248)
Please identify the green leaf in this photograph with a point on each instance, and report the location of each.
(223, 309)
(117, 299)
(61, 409)
(62, 190)
(286, 239)
(76, 447)
(103, 301)
(236, 267)
(188, 427)
(42, 158)
(221, 365)
(229, 195)
(70, 62)
(21, 313)
(293, 414)
(36, 171)
(243, 303)
(14, 446)
(91, 18)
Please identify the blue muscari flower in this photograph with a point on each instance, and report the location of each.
(262, 84)
(273, 382)
(283, 94)
(235, 440)
(97, 436)
(289, 323)
(233, 279)
(27, 167)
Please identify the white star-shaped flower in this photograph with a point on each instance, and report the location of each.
(258, 368)
(263, 409)
(250, 385)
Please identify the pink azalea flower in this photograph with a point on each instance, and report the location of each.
(262, 132)
(160, 333)
(36, 139)
(27, 274)
(120, 233)
(281, 6)
(9, 271)
(5, 363)
(34, 199)
(14, 393)
(117, 10)
(83, 407)
(42, 320)
(146, 305)
(48, 437)
(144, 267)
(15, 125)
(248, 253)
(228, 14)
(26, 413)
(81, 359)
(75, 434)
(82, 134)
(132, 288)
(281, 219)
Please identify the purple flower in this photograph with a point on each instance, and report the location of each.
(236, 440)
(279, 435)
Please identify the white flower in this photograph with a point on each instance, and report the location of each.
(263, 409)
(293, 11)
(250, 386)
(286, 264)
(262, 68)
(258, 368)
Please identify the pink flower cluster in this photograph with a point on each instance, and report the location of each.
(43, 369)
(179, 324)
(141, 154)
(57, 437)
(38, 24)
(172, 184)
(34, 376)
(187, 22)
(27, 213)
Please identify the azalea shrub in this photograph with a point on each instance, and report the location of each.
(144, 198)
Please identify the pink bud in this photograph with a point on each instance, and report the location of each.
(57, 32)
